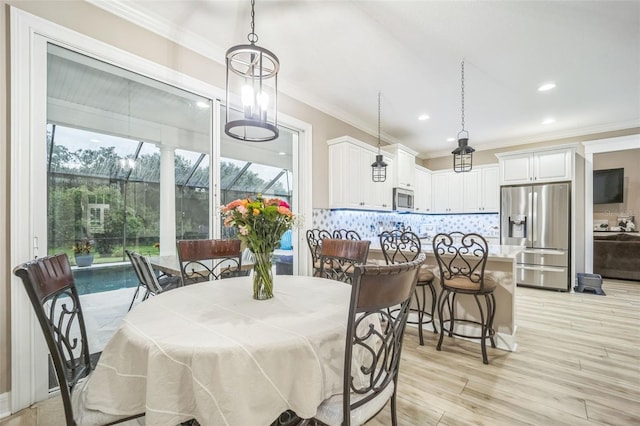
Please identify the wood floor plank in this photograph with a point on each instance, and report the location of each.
(578, 363)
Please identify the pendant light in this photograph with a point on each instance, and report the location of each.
(248, 69)
(379, 167)
(463, 154)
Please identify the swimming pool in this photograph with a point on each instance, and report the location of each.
(99, 278)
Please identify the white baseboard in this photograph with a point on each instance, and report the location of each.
(5, 408)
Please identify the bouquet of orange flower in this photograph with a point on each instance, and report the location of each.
(260, 224)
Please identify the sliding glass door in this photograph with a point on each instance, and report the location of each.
(120, 145)
(249, 169)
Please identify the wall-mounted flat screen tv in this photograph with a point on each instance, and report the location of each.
(608, 186)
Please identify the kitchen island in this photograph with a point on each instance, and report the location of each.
(501, 265)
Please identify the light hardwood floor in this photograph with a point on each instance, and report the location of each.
(578, 363)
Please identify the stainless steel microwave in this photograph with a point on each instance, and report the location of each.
(403, 199)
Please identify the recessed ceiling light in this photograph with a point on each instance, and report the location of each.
(423, 117)
(548, 120)
(94, 140)
(201, 104)
(546, 86)
(282, 153)
(451, 139)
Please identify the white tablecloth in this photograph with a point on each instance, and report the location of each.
(211, 352)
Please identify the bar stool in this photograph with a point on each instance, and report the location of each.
(401, 247)
(462, 259)
(314, 240)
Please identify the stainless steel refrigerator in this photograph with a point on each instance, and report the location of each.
(537, 217)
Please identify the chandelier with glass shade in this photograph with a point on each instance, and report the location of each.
(252, 72)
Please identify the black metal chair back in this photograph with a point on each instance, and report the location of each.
(206, 260)
(314, 241)
(346, 234)
(338, 258)
(51, 288)
(461, 256)
(400, 247)
(370, 381)
(54, 297)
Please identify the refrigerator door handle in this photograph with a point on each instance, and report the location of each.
(533, 202)
(542, 268)
(544, 251)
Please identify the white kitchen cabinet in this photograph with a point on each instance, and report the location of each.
(447, 192)
(403, 173)
(481, 190)
(380, 194)
(422, 190)
(549, 165)
(350, 184)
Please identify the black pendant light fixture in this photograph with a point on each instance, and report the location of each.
(248, 69)
(379, 167)
(463, 154)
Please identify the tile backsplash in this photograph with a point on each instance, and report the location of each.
(369, 224)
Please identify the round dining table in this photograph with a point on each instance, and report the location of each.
(209, 351)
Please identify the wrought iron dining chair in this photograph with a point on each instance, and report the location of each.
(338, 258)
(51, 288)
(206, 260)
(314, 241)
(462, 259)
(148, 281)
(346, 234)
(400, 247)
(371, 380)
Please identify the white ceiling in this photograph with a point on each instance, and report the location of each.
(337, 55)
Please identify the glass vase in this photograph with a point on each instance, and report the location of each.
(262, 276)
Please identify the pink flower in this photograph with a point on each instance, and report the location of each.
(284, 204)
(242, 209)
(284, 210)
(243, 230)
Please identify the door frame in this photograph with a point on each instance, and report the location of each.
(597, 147)
(29, 369)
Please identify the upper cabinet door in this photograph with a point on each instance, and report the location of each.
(548, 165)
(422, 191)
(516, 169)
(472, 184)
(490, 190)
(405, 166)
(448, 193)
(481, 190)
(552, 166)
(350, 182)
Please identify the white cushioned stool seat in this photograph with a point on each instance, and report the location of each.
(330, 411)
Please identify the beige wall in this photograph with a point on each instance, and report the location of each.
(488, 156)
(94, 22)
(630, 161)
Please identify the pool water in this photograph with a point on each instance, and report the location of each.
(96, 279)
